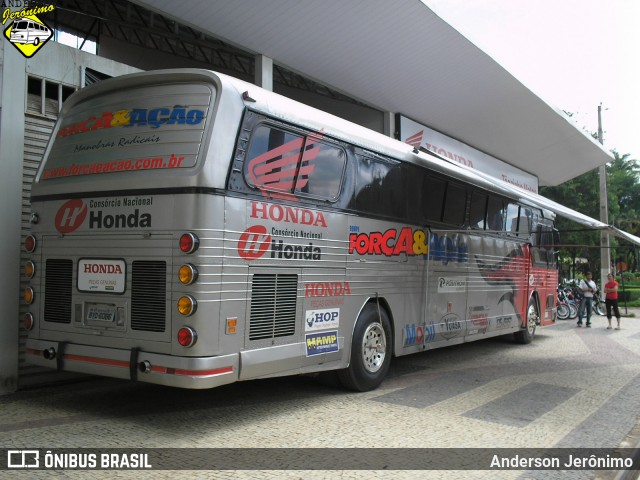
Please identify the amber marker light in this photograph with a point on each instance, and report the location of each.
(187, 336)
(187, 305)
(232, 324)
(188, 274)
(28, 295)
(189, 242)
(29, 269)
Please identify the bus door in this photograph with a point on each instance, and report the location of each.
(492, 285)
(544, 272)
(447, 287)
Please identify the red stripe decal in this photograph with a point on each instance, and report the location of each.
(192, 373)
(154, 368)
(203, 373)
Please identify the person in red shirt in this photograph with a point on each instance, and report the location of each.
(611, 299)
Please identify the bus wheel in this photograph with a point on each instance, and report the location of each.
(526, 334)
(36, 42)
(370, 351)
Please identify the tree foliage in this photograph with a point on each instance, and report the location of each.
(624, 193)
(582, 194)
(624, 187)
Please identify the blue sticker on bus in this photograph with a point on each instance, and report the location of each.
(321, 342)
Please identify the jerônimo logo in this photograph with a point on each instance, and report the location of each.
(25, 30)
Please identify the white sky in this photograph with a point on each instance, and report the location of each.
(75, 42)
(574, 54)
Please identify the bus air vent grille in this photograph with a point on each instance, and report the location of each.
(58, 291)
(273, 306)
(148, 296)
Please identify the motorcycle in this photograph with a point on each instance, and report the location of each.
(565, 308)
(598, 303)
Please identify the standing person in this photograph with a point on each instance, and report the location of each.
(587, 286)
(611, 299)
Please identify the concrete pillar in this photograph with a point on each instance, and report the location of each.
(12, 95)
(389, 124)
(264, 72)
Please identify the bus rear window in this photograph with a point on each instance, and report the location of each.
(143, 128)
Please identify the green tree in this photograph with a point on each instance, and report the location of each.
(577, 194)
(624, 204)
(581, 194)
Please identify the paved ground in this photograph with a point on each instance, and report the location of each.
(570, 388)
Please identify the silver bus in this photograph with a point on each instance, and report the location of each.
(190, 229)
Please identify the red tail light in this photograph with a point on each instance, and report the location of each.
(28, 321)
(187, 336)
(30, 243)
(189, 243)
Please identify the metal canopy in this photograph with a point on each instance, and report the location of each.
(401, 57)
(557, 208)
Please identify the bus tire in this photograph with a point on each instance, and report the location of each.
(36, 42)
(370, 350)
(525, 335)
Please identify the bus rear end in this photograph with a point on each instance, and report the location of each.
(113, 253)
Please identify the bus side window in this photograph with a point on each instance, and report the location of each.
(394, 200)
(368, 196)
(524, 224)
(536, 252)
(412, 184)
(433, 191)
(512, 218)
(321, 170)
(272, 159)
(543, 253)
(478, 211)
(379, 188)
(547, 244)
(455, 204)
(495, 214)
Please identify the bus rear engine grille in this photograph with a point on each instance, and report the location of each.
(148, 296)
(58, 291)
(273, 306)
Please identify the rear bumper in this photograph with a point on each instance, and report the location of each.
(183, 372)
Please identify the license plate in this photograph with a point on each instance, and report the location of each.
(101, 313)
(101, 275)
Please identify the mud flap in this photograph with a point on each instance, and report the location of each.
(133, 364)
(60, 356)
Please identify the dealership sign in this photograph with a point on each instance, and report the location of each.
(423, 137)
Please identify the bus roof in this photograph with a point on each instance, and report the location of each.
(292, 111)
(288, 110)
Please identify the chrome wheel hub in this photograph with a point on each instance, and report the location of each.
(374, 347)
